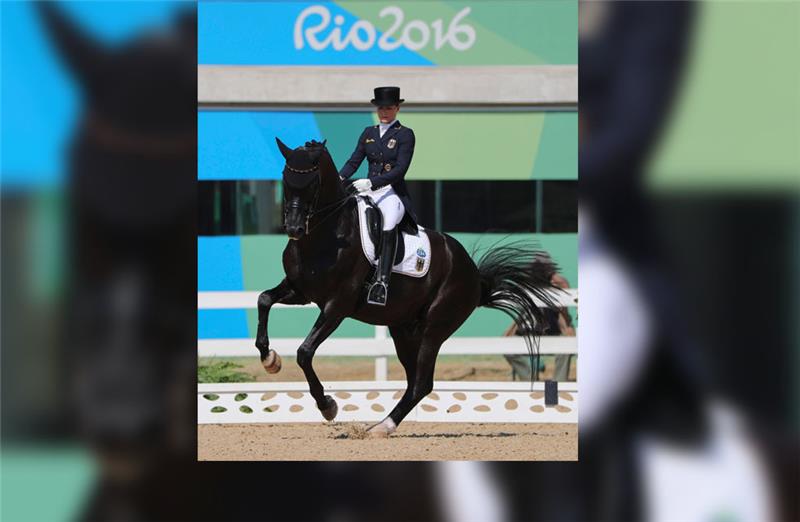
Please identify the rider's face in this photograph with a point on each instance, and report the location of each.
(387, 113)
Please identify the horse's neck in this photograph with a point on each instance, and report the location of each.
(333, 193)
(325, 236)
(330, 180)
(331, 190)
(331, 207)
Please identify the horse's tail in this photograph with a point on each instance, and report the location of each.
(513, 277)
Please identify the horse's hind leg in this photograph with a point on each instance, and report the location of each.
(406, 345)
(441, 322)
(418, 387)
(283, 293)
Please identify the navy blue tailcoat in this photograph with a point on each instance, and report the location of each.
(389, 158)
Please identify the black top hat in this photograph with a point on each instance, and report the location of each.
(387, 96)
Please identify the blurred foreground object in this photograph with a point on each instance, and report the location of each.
(120, 358)
(701, 394)
(666, 434)
(130, 327)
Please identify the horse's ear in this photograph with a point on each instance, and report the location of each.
(84, 55)
(283, 148)
(324, 142)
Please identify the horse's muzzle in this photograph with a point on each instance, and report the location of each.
(295, 231)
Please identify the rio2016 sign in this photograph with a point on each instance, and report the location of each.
(362, 35)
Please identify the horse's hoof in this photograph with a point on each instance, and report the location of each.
(272, 362)
(331, 408)
(382, 430)
(373, 433)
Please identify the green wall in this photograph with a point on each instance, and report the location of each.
(736, 122)
(471, 145)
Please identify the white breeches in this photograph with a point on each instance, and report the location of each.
(390, 205)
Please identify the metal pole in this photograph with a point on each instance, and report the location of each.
(437, 194)
(538, 206)
(381, 363)
(237, 198)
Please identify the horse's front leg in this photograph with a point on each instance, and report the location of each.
(324, 326)
(283, 293)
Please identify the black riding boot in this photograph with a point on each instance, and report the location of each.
(379, 290)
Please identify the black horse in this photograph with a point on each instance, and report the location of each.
(129, 349)
(324, 264)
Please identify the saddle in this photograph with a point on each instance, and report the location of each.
(413, 252)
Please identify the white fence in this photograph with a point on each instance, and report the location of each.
(371, 401)
(242, 300)
(462, 401)
(380, 346)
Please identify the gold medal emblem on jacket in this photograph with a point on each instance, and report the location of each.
(392, 142)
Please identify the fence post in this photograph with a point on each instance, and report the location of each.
(381, 363)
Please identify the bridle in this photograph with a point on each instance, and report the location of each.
(313, 211)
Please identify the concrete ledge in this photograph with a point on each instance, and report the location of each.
(423, 87)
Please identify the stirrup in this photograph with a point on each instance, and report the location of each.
(374, 295)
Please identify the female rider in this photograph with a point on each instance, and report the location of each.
(389, 148)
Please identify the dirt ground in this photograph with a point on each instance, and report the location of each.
(412, 441)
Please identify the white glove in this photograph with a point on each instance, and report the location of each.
(362, 185)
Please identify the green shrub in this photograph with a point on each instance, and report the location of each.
(222, 371)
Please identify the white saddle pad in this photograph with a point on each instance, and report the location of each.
(417, 248)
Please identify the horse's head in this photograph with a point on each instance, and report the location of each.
(140, 89)
(136, 138)
(303, 184)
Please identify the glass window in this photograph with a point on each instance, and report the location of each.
(559, 206)
(256, 206)
(488, 206)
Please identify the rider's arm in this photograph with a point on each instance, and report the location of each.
(405, 151)
(351, 166)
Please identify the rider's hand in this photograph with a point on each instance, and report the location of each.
(362, 185)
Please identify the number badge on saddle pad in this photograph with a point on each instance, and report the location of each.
(420, 259)
(391, 143)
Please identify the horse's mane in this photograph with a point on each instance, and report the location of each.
(314, 145)
(308, 156)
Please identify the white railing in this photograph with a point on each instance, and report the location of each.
(244, 300)
(376, 347)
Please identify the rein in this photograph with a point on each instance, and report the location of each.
(337, 204)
